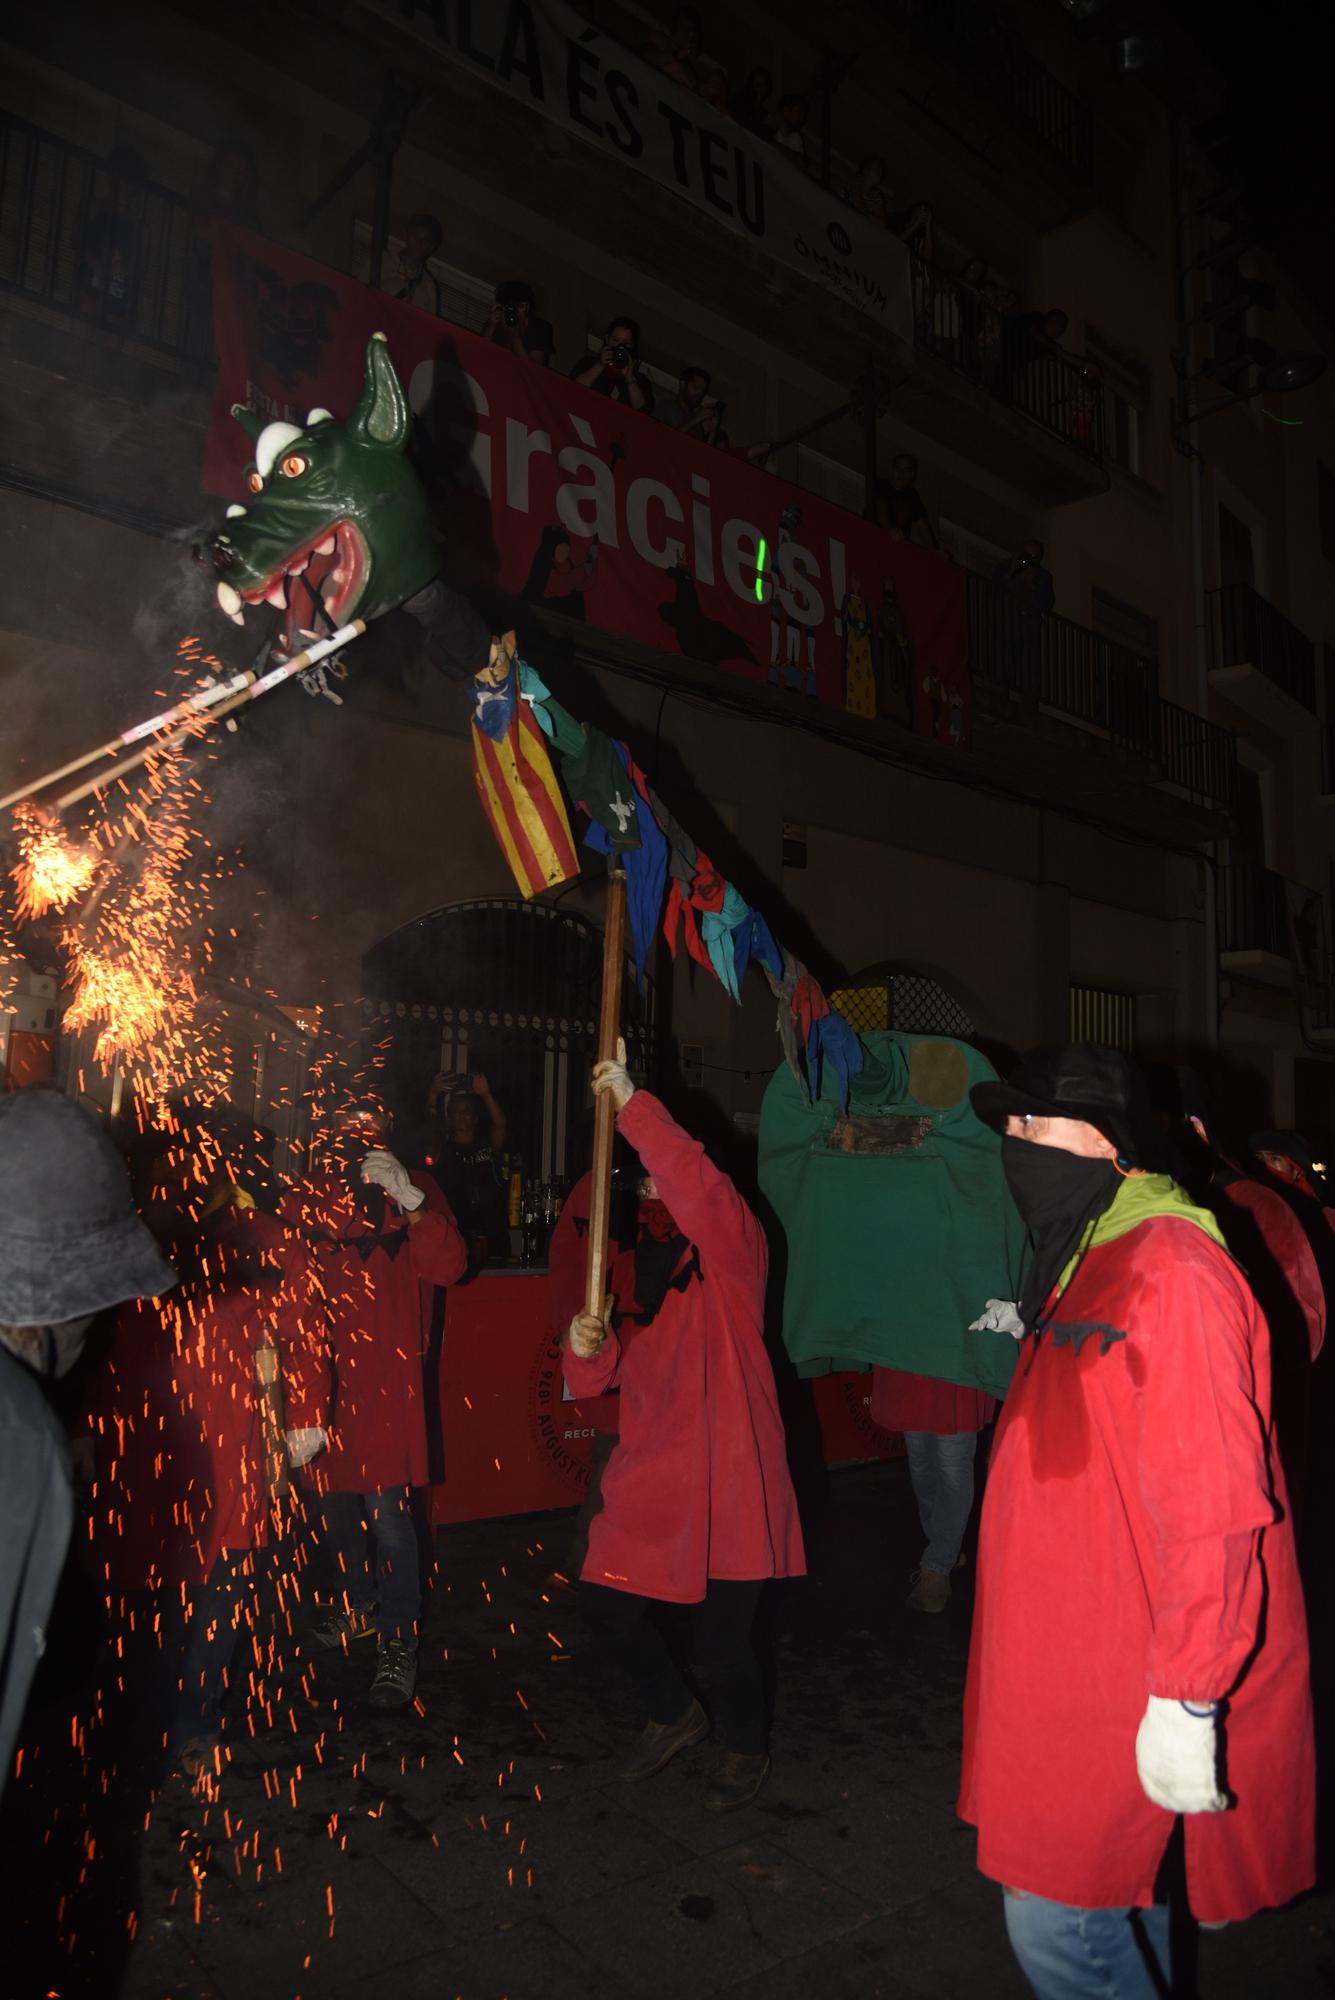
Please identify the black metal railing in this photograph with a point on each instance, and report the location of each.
(1044, 659)
(1246, 628)
(1253, 910)
(98, 240)
(983, 45)
(1005, 353)
(1197, 755)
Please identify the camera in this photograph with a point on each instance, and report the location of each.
(1024, 562)
(510, 314)
(621, 357)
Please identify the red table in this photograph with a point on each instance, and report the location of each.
(512, 1445)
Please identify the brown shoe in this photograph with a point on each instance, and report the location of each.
(659, 1743)
(736, 1781)
(931, 1590)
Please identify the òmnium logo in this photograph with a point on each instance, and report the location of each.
(840, 240)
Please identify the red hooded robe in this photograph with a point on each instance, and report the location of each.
(699, 1486)
(1136, 1541)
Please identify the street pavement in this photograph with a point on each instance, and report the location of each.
(476, 1845)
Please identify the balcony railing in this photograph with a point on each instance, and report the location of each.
(1051, 661)
(1254, 910)
(1000, 351)
(1245, 628)
(112, 249)
(980, 43)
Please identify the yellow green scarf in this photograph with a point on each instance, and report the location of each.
(1139, 1199)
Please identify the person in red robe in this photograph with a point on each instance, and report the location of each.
(381, 1240)
(206, 1399)
(698, 1504)
(1139, 1646)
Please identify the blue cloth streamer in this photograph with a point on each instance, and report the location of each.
(753, 938)
(832, 1041)
(646, 869)
(494, 707)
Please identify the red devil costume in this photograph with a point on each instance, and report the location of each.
(698, 1487)
(1137, 1579)
(376, 1271)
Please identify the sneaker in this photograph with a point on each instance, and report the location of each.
(395, 1676)
(931, 1590)
(659, 1742)
(736, 1781)
(342, 1624)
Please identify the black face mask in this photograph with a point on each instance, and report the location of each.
(1058, 1195)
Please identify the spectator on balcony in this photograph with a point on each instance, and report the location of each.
(914, 227)
(513, 322)
(406, 273)
(753, 106)
(790, 129)
(680, 55)
(984, 300)
(614, 368)
(689, 412)
(109, 253)
(1023, 593)
(866, 194)
(1029, 339)
(899, 507)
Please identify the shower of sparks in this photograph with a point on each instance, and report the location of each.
(51, 870)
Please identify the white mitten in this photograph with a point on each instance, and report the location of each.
(303, 1445)
(1000, 1316)
(1177, 1755)
(381, 1169)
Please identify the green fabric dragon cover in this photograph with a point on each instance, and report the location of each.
(897, 1220)
(338, 526)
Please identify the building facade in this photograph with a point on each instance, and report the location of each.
(1136, 845)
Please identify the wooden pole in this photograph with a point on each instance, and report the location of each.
(604, 1111)
(268, 1382)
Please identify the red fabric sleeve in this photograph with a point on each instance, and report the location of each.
(308, 1375)
(1203, 1471)
(704, 1203)
(439, 1253)
(596, 1375)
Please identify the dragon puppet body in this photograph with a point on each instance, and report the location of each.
(337, 528)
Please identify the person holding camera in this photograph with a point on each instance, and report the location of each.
(614, 368)
(513, 322)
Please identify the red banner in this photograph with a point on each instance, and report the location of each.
(509, 1442)
(561, 497)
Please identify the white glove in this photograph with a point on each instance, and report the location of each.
(303, 1445)
(1177, 1754)
(587, 1332)
(614, 1076)
(999, 1317)
(381, 1169)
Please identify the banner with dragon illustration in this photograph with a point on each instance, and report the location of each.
(565, 499)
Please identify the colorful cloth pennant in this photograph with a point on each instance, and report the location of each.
(521, 797)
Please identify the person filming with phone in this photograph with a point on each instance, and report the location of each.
(614, 368)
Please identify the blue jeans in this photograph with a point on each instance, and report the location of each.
(941, 1469)
(350, 1519)
(1071, 1954)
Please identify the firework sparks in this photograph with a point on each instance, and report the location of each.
(51, 870)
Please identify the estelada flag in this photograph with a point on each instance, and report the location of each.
(521, 797)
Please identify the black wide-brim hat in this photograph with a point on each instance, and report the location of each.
(1067, 1080)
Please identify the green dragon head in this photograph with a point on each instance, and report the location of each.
(338, 521)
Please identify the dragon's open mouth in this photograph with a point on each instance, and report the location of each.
(315, 586)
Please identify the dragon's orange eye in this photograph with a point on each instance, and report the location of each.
(293, 466)
(254, 482)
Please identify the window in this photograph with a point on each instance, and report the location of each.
(1325, 509)
(1125, 626)
(1237, 560)
(1098, 1015)
(1126, 396)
